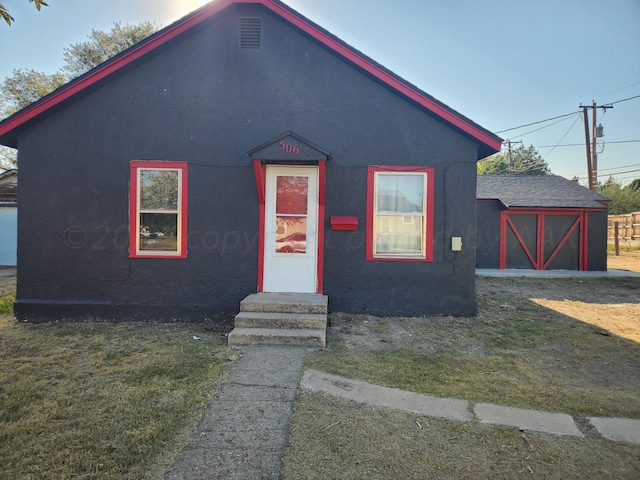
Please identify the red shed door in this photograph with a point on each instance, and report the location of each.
(291, 229)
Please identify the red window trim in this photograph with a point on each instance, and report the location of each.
(428, 234)
(134, 166)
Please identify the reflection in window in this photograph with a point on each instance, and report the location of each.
(158, 208)
(399, 214)
(292, 194)
(291, 234)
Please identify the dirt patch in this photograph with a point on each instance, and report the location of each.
(625, 261)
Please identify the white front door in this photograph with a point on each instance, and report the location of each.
(291, 229)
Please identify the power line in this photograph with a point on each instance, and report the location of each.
(585, 176)
(624, 100)
(535, 123)
(561, 116)
(609, 170)
(563, 137)
(582, 144)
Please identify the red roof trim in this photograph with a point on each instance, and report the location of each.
(206, 12)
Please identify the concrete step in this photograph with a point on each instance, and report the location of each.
(314, 321)
(277, 336)
(285, 303)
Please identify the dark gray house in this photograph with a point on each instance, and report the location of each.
(541, 223)
(243, 149)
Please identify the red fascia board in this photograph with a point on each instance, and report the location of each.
(101, 72)
(384, 76)
(553, 210)
(199, 16)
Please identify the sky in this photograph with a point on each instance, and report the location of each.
(501, 63)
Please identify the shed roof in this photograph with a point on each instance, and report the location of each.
(488, 143)
(538, 191)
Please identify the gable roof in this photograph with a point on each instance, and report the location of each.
(541, 191)
(488, 143)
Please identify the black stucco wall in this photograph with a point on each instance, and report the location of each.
(205, 101)
(488, 235)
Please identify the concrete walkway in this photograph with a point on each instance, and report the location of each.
(516, 272)
(617, 429)
(247, 429)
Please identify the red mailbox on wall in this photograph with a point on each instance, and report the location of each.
(344, 223)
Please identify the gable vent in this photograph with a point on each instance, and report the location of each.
(250, 33)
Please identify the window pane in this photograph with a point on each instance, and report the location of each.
(400, 193)
(291, 195)
(158, 189)
(399, 235)
(158, 231)
(291, 234)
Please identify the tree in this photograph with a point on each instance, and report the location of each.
(8, 18)
(635, 184)
(524, 161)
(8, 158)
(24, 87)
(18, 91)
(101, 46)
(623, 199)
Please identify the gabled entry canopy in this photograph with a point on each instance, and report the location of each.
(288, 147)
(487, 142)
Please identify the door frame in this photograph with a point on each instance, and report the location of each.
(260, 170)
(537, 258)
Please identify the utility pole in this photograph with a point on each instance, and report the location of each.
(592, 155)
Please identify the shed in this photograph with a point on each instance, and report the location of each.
(540, 222)
(243, 149)
(8, 217)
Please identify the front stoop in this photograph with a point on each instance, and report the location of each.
(281, 319)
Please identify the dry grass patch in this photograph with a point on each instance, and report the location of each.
(515, 352)
(337, 439)
(100, 400)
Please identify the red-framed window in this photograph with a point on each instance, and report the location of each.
(158, 209)
(400, 213)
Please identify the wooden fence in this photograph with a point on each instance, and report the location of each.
(628, 228)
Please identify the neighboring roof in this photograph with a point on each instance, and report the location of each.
(488, 143)
(9, 173)
(538, 191)
(9, 188)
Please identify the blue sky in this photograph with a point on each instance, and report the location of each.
(501, 63)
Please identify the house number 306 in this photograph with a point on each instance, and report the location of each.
(289, 147)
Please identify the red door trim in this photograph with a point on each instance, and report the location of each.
(577, 222)
(260, 170)
(503, 240)
(322, 169)
(539, 262)
(584, 243)
(534, 263)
